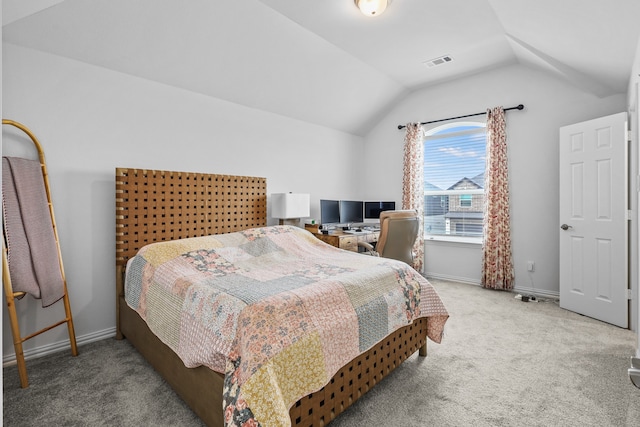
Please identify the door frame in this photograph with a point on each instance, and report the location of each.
(633, 127)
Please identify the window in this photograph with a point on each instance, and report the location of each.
(454, 163)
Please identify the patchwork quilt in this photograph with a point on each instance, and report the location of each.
(275, 309)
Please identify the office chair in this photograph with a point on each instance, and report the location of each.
(398, 233)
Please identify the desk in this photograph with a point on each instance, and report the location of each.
(348, 241)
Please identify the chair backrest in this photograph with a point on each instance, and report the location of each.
(398, 233)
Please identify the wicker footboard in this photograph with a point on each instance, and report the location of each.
(358, 376)
(201, 388)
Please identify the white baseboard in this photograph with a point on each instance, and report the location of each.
(542, 293)
(452, 278)
(59, 346)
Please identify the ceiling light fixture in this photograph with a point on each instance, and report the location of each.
(372, 7)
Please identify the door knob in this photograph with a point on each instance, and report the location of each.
(565, 227)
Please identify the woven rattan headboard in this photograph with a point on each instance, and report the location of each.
(154, 205)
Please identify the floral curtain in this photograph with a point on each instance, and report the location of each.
(413, 184)
(497, 261)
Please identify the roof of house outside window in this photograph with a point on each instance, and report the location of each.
(430, 187)
(466, 184)
(479, 180)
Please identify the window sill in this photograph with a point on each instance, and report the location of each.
(455, 239)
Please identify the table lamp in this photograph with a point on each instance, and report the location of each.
(290, 207)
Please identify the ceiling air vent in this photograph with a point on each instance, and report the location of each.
(438, 61)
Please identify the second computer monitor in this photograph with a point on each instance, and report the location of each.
(351, 211)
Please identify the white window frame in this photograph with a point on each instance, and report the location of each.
(448, 237)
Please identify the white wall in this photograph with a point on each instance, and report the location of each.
(91, 120)
(532, 136)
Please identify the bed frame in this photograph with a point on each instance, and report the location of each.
(153, 206)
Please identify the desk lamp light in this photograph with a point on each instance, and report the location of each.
(290, 207)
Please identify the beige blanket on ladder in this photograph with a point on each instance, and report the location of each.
(32, 251)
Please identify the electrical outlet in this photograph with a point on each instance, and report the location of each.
(531, 266)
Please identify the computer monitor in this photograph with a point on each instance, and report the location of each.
(329, 211)
(351, 211)
(372, 210)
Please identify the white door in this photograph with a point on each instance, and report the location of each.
(593, 219)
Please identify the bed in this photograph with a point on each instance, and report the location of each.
(166, 218)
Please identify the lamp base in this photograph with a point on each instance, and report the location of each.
(290, 221)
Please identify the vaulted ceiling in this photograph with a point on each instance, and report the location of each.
(322, 61)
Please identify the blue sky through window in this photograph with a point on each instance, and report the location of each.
(452, 153)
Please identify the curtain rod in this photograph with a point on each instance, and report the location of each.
(518, 107)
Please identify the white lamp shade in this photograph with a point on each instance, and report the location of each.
(372, 7)
(290, 205)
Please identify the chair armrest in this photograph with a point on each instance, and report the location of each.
(368, 246)
(369, 249)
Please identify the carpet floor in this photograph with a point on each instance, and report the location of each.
(502, 362)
